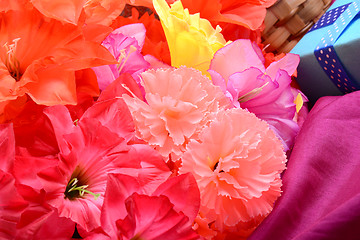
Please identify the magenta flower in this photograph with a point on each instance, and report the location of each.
(239, 70)
(125, 44)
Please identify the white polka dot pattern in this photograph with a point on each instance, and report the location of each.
(329, 17)
(325, 52)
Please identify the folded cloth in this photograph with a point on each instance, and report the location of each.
(321, 186)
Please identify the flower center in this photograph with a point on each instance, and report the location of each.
(123, 57)
(250, 95)
(137, 237)
(11, 62)
(75, 189)
(215, 167)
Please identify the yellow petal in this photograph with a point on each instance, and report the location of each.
(192, 40)
(299, 102)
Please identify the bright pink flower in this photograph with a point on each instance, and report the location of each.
(87, 150)
(239, 70)
(237, 163)
(76, 185)
(23, 214)
(125, 44)
(130, 211)
(179, 102)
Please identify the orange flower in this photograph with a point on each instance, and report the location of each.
(248, 13)
(63, 10)
(155, 40)
(69, 11)
(103, 11)
(39, 57)
(6, 5)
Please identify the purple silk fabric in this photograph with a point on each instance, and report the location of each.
(321, 186)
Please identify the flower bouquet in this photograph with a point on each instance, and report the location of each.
(157, 119)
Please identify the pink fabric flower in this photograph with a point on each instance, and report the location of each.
(125, 44)
(132, 212)
(239, 70)
(237, 163)
(73, 184)
(179, 102)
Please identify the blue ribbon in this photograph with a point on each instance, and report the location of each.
(325, 52)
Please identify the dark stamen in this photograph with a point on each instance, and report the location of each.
(216, 165)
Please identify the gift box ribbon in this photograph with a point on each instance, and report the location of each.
(339, 18)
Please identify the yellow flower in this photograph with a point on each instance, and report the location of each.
(192, 40)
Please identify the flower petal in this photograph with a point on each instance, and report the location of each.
(7, 147)
(62, 10)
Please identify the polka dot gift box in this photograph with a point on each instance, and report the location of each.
(330, 53)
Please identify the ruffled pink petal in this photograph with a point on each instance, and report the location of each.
(119, 188)
(113, 114)
(236, 57)
(160, 221)
(174, 189)
(179, 103)
(241, 84)
(62, 124)
(237, 163)
(274, 101)
(85, 212)
(136, 30)
(125, 44)
(288, 63)
(150, 169)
